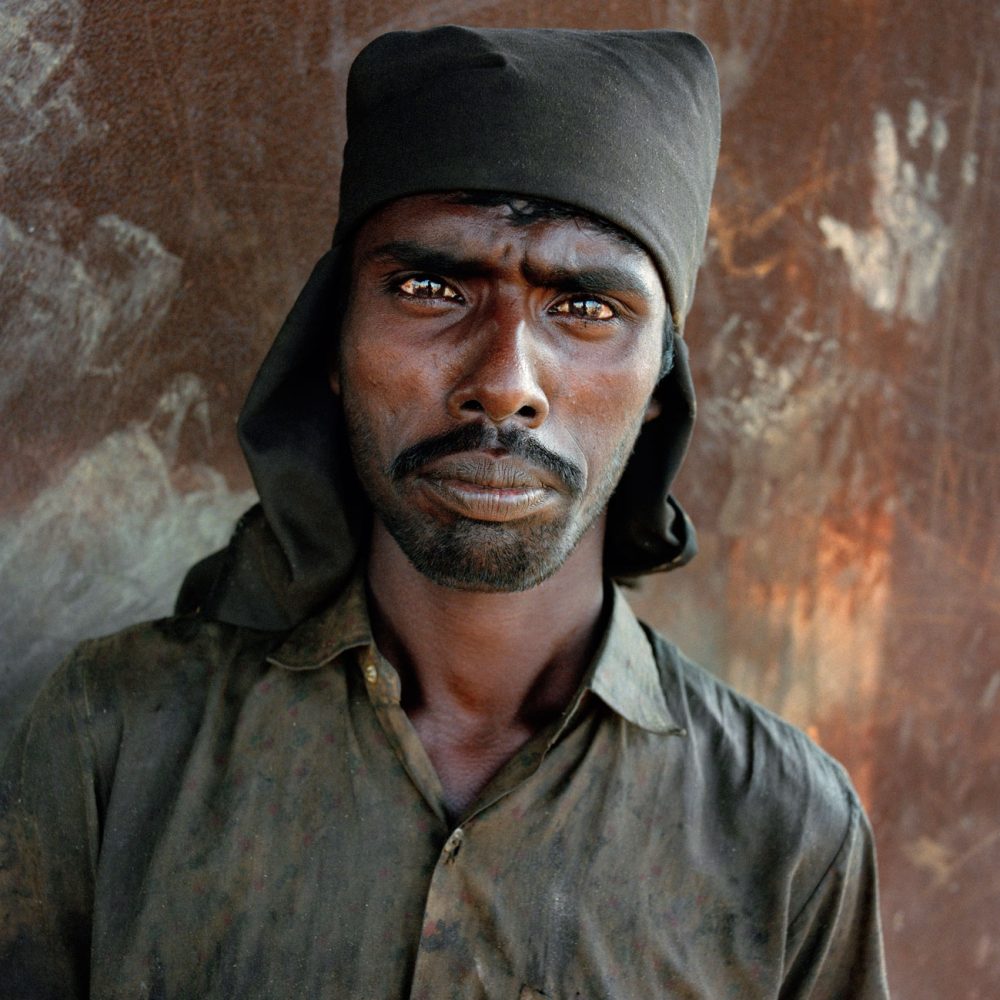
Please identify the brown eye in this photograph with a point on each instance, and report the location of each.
(585, 308)
(428, 288)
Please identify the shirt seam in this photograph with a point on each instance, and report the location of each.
(852, 823)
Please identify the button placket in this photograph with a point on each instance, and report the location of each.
(445, 943)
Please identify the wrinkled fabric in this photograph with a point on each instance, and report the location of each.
(622, 124)
(194, 809)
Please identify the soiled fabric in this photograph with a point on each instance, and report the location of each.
(195, 809)
(624, 125)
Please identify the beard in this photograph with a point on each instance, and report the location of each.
(468, 554)
(478, 555)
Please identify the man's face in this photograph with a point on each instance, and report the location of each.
(494, 377)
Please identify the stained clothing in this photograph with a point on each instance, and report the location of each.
(195, 809)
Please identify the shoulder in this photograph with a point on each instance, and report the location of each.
(756, 772)
(742, 736)
(176, 639)
(781, 817)
(146, 677)
(149, 660)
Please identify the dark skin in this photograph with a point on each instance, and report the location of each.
(455, 316)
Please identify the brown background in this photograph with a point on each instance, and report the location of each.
(168, 177)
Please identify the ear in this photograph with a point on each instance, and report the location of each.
(653, 410)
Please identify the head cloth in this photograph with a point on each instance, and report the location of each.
(623, 124)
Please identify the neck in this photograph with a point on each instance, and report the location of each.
(503, 656)
(483, 672)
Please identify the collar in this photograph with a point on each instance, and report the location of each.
(624, 674)
(318, 640)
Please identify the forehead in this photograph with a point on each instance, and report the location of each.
(503, 231)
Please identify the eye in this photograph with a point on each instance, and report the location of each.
(585, 307)
(424, 287)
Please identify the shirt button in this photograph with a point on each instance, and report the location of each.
(371, 673)
(453, 843)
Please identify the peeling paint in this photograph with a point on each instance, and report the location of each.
(917, 123)
(85, 311)
(781, 421)
(970, 168)
(931, 856)
(943, 862)
(38, 80)
(897, 264)
(108, 544)
(989, 696)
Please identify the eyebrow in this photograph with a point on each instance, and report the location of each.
(411, 254)
(600, 279)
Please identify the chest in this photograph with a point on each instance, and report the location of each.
(310, 860)
(464, 762)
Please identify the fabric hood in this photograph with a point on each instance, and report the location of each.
(643, 149)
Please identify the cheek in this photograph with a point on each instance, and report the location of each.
(371, 397)
(397, 384)
(611, 407)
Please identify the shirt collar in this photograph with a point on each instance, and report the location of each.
(320, 639)
(624, 673)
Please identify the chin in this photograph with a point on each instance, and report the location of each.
(483, 557)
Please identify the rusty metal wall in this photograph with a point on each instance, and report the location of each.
(167, 177)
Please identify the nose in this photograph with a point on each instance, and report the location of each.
(500, 377)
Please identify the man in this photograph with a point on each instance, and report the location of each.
(406, 737)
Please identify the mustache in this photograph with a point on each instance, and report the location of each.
(482, 437)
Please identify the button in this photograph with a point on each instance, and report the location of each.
(371, 673)
(453, 843)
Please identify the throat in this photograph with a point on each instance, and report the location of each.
(481, 673)
(472, 713)
(466, 760)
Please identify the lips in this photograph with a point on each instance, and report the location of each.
(487, 488)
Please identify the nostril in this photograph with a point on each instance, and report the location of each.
(472, 406)
(527, 411)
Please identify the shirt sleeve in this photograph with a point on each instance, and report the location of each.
(48, 849)
(834, 945)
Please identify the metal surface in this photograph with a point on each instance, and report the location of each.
(168, 176)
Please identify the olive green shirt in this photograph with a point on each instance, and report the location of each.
(195, 810)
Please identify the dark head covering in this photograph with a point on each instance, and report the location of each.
(623, 124)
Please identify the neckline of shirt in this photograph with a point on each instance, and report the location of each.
(623, 674)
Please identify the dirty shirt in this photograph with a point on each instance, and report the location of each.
(195, 809)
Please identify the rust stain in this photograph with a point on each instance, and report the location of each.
(734, 228)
